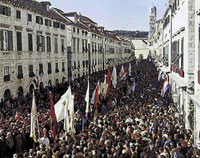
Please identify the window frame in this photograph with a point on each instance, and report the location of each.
(48, 39)
(6, 43)
(30, 42)
(19, 41)
(4, 10)
(29, 17)
(4, 70)
(18, 14)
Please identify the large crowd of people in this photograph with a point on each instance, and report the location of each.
(127, 124)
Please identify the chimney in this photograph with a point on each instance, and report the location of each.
(46, 5)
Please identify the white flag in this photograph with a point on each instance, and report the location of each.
(93, 96)
(87, 97)
(121, 72)
(94, 93)
(129, 69)
(33, 118)
(114, 77)
(105, 87)
(61, 105)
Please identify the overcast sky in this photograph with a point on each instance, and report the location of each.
(114, 14)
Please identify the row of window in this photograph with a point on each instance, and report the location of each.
(127, 51)
(175, 5)
(31, 72)
(39, 20)
(49, 70)
(85, 64)
(93, 35)
(76, 44)
(96, 36)
(167, 20)
(96, 47)
(6, 42)
(78, 31)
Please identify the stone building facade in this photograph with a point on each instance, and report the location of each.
(42, 46)
(179, 59)
(33, 43)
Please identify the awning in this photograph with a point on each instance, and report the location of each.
(179, 80)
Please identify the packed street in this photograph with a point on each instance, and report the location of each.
(128, 123)
(80, 80)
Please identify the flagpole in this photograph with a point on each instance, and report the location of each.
(38, 127)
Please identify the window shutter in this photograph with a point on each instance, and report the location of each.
(10, 41)
(37, 19)
(1, 9)
(46, 22)
(43, 43)
(19, 41)
(38, 42)
(1, 39)
(41, 20)
(9, 11)
(30, 42)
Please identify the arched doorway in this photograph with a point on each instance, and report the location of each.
(20, 91)
(141, 56)
(50, 83)
(57, 81)
(63, 80)
(31, 88)
(41, 86)
(7, 94)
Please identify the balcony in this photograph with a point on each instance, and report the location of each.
(6, 78)
(20, 76)
(57, 70)
(31, 74)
